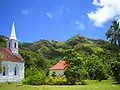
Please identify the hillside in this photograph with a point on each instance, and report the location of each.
(52, 51)
(85, 56)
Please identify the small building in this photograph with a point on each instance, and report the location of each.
(11, 60)
(58, 68)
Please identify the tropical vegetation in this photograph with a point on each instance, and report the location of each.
(87, 59)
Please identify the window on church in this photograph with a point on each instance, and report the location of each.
(4, 74)
(5, 70)
(9, 44)
(15, 45)
(16, 71)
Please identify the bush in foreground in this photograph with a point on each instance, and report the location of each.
(36, 79)
(55, 80)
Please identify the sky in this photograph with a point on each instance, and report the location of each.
(57, 19)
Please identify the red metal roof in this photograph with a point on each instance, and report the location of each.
(59, 66)
(6, 54)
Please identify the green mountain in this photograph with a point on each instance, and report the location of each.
(52, 51)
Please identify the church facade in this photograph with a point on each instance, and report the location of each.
(11, 60)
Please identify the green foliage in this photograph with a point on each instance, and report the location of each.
(86, 58)
(95, 68)
(53, 74)
(78, 39)
(115, 66)
(2, 41)
(83, 82)
(75, 71)
(80, 66)
(113, 34)
(55, 80)
(74, 76)
(35, 77)
(33, 59)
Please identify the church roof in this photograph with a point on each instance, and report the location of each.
(13, 34)
(61, 65)
(7, 55)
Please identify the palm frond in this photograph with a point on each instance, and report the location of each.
(113, 33)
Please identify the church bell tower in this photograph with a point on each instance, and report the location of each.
(12, 42)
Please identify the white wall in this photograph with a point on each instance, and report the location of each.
(10, 76)
(58, 72)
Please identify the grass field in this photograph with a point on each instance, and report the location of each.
(92, 85)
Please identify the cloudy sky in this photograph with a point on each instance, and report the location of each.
(57, 19)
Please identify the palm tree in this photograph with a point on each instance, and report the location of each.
(113, 34)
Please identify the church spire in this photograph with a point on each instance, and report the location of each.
(12, 42)
(13, 34)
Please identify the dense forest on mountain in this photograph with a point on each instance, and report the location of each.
(86, 58)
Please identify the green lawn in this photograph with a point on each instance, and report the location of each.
(93, 85)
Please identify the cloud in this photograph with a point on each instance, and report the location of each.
(63, 9)
(49, 15)
(80, 25)
(106, 10)
(24, 12)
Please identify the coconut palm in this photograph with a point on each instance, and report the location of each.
(113, 34)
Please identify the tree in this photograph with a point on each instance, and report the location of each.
(115, 66)
(95, 68)
(113, 34)
(100, 72)
(74, 74)
(75, 71)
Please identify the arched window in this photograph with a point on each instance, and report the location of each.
(4, 74)
(9, 44)
(16, 70)
(15, 73)
(15, 45)
(5, 70)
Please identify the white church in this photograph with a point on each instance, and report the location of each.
(12, 62)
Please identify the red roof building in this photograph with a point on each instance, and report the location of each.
(59, 66)
(7, 55)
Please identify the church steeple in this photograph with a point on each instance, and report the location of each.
(12, 42)
(13, 34)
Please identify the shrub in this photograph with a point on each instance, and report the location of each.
(83, 82)
(55, 80)
(33, 80)
(36, 79)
